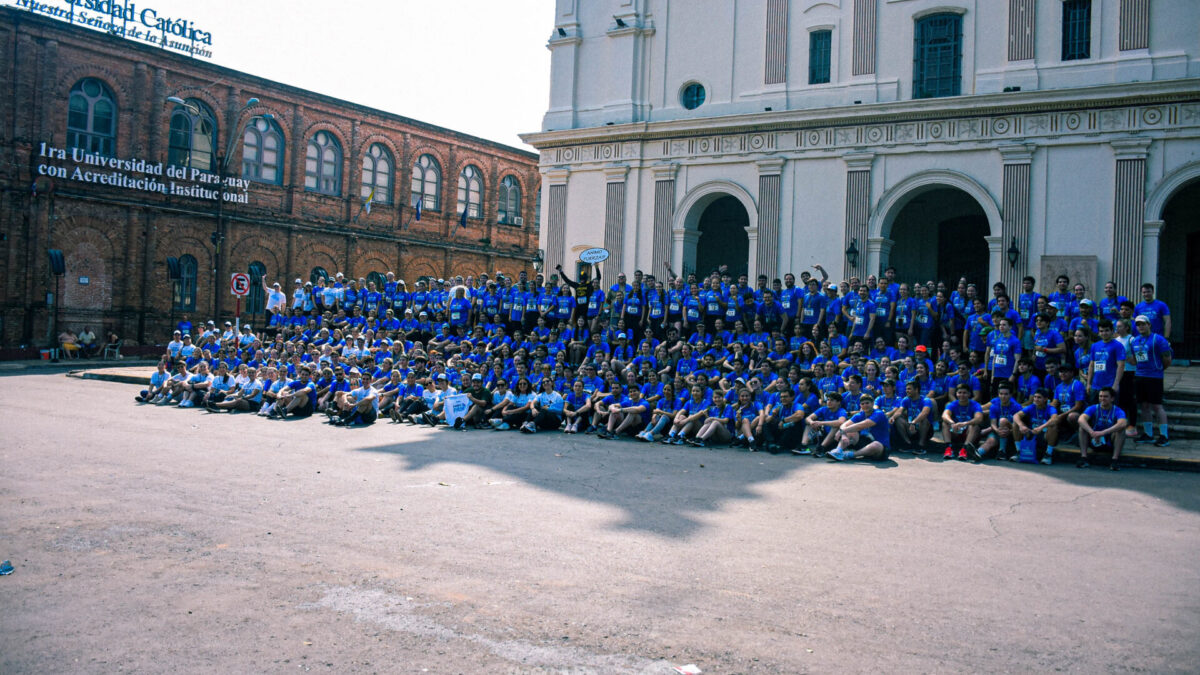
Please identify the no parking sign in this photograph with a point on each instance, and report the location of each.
(239, 284)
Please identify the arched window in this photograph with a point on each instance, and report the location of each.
(92, 118)
(318, 273)
(470, 192)
(510, 200)
(193, 137)
(427, 183)
(256, 302)
(377, 174)
(937, 56)
(184, 296)
(379, 280)
(323, 164)
(262, 151)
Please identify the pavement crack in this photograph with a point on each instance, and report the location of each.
(1012, 508)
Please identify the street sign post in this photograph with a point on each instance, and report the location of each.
(239, 285)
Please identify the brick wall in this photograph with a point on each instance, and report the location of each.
(120, 239)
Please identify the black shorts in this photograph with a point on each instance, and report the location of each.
(1148, 390)
(368, 416)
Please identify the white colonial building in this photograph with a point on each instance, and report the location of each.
(944, 137)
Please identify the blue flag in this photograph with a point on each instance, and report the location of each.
(462, 221)
(420, 203)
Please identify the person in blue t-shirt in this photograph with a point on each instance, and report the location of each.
(1102, 427)
(822, 425)
(1001, 412)
(866, 435)
(1039, 421)
(158, 382)
(1070, 398)
(913, 417)
(962, 419)
(1003, 350)
(1156, 311)
(628, 416)
(689, 418)
(1106, 360)
(1150, 355)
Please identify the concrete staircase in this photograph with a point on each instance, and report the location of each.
(1183, 414)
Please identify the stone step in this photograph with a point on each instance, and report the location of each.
(1143, 456)
(1183, 430)
(1183, 405)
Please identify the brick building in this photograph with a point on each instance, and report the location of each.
(110, 151)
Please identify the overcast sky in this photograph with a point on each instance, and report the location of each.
(476, 66)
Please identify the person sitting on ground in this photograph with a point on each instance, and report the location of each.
(1001, 412)
(962, 420)
(1039, 421)
(360, 407)
(1101, 427)
(247, 397)
(627, 417)
(158, 381)
(866, 435)
(821, 426)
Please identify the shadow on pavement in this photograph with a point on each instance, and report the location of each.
(665, 490)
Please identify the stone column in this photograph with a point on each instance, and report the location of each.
(683, 247)
(879, 248)
(1151, 234)
(556, 217)
(1015, 212)
(996, 261)
(664, 215)
(614, 217)
(863, 52)
(765, 244)
(1129, 213)
(858, 212)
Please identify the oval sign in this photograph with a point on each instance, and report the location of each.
(594, 255)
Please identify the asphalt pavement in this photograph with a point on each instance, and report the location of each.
(152, 539)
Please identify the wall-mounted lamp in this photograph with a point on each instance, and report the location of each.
(852, 253)
(1014, 253)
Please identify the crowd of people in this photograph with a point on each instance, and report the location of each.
(855, 369)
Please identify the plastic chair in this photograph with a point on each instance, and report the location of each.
(113, 348)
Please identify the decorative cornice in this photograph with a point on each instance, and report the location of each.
(983, 105)
(772, 166)
(1131, 148)
(665, 171)
(616, 173)
(557, 176)
(1019, 153)
(858, 161)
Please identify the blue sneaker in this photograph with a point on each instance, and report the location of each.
(504, 426)
(838, 454)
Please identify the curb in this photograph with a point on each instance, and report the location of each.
(1135, 460)
(110, 377)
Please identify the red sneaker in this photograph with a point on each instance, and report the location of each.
(962, 453)
(949, 453)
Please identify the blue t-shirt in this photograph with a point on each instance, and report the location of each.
(1068, 394)
(1104, 357)
(1154, 310)
(964, 413)
(1102, 419)
(1148, 355)
(914, 406)
(997, 410)
(1037, 416)
(881, 432)
(1005, 351)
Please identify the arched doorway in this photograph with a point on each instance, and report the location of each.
(940, 234)
(1178, 259)
(723, 239)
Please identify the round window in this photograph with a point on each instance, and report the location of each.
(693, 96)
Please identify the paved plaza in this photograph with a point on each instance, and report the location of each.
(156, 539)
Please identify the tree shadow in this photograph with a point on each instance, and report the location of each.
(664, 490)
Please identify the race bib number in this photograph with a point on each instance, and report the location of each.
(858, 321)
(674, 307)
(787, 302)
(808, 313)
(1065, 409)
(881, 311)
(1001, 359)
(1141, 355)
(1101, 366)
(1024, 314)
